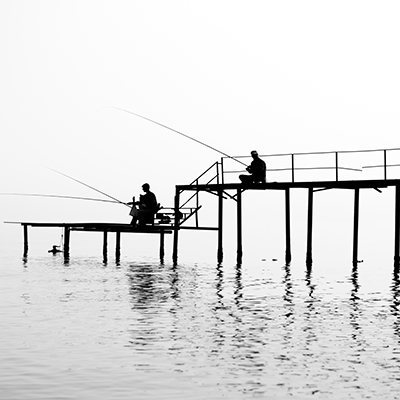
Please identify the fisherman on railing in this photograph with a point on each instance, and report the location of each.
(147, 207)
(257, 169)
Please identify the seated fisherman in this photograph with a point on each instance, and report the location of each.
(147, 207)
(257, 169)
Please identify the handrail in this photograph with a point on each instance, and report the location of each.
(221, 171)
(200, 176)
(335, 167)
(318, 152)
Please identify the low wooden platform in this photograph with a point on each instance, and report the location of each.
(104, 227)
(97, 226)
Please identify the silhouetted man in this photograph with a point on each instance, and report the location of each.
(257, 169)
(54, 250)
(148, 206)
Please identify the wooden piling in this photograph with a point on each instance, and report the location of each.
(239, 227)
(25, 240)
(162, 240)
(397, 230)
(309, 226)
(176, 228)
(105, 245)
(66, 241)
(355, 226)
(117, 246)
(220, 252)
(288, 255)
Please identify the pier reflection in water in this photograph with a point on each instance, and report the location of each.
(151, 331)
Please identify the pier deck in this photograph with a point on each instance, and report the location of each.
(104, 227)
(222, 191)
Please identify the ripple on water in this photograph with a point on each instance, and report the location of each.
(150, 331)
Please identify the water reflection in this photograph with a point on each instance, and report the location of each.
(219, 285)
(143, 288)
(310, 314)
(395, 306)
(147, 295)
(240, 329)
(355, 314)
(287, 281)
(238, 288)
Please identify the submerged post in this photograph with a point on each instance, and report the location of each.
(220, 253)
(66, 241)
(176, 228)
(118, 246)
(355, 229)
(162, 245)
(397, 230)
(105, 244)
(309, 227)
(239, 226)
(288, 255)
(25, 240)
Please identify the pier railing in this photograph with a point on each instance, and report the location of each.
(357, 165)
(318, 166)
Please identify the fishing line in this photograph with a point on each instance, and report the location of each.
(57, 196)
(174, 130)
(90, 187)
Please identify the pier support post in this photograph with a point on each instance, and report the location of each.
(397, 231)
(176, 228)
(25, 240)
(66, 241)
(355, 229)
(239, 227)
(288, 255)
(117, 247)
(162, 246)
(105, 244)
(220, 252)
(309, 227)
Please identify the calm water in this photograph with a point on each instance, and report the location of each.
(143, 330)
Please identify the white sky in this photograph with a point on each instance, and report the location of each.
(276, 76)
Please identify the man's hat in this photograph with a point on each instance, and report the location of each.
(254, 153)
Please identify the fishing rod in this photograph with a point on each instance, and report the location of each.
(180, 133)
(57, 196)
(91, 187)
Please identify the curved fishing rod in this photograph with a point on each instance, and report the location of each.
(57, 196)
(174, 130)
(90, 187)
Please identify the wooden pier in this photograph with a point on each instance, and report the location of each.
(222, 190)
(218, 186)
(292, 167)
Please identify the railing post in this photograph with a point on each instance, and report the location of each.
(292, 167)
(384, 164)
(337, 166)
